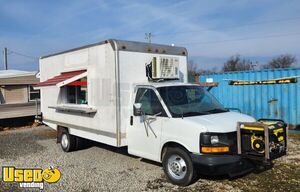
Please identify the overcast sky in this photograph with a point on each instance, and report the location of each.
(211, 30)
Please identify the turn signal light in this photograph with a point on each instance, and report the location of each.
(214, 149)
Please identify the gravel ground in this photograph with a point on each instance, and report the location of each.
(104, 168)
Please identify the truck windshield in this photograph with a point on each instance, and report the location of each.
(185, 101)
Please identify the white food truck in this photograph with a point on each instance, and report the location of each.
(135, 94)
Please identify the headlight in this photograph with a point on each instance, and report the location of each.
(214, 139)
(217, 142)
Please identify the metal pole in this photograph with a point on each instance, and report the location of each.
(36, 107)
(5, 58)
(267, 145)
(148, 36)
(239, 142)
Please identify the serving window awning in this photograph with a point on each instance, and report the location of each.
(65, 79)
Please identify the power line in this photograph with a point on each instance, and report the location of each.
(241, 39)
(228, 27)
(23, 55)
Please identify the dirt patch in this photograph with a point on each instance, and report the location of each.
(203, 185)
(47, 134)
(20, 142)
(104, 168)
(281, 177)
(11, 187)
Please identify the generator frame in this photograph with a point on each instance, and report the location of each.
(266, 137)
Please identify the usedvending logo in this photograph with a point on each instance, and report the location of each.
(30, 178)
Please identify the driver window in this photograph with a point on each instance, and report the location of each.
(150, 103)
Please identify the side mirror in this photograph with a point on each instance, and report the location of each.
(137, 109)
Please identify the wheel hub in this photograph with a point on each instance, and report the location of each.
(64, 141)
(177, 167)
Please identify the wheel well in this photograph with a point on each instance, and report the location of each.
(59, 131)
(170, 144)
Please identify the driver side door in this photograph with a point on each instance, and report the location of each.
(144, 133)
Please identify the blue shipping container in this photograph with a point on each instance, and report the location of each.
(260, 100)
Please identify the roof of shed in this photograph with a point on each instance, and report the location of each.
(16, 77)
(15, 73)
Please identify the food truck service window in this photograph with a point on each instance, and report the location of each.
(76, 92)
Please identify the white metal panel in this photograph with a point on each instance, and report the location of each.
(101, 88)
(76, 59)
(101, 77)
(93, 137)
(132, 71)
(186, 131)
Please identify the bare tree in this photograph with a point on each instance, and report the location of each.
(283, 61)
(235, 63)
(208, 71)
(194, 71)
(192, 67)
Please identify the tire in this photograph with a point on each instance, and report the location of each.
(82, 143)
(178, 166)
(68, 142)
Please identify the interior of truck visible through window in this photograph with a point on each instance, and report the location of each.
(150, 103)
(184, 101)
(76, 92)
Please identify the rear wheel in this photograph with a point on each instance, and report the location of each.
(178, 166)
(68, 142)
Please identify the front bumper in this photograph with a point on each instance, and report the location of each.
(232, 165)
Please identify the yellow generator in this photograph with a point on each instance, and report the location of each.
(264, 140)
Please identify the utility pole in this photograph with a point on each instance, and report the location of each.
(149, 36)
(5, 58)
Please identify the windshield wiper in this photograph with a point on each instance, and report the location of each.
(194, 113)
(217, 110)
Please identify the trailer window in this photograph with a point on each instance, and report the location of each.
(77, 92)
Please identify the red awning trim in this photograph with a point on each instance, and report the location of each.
(77, 83)
(60, 78)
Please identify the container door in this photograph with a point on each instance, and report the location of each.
(144, 134)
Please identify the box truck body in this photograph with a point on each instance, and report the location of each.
(111, 69)
(135, 94)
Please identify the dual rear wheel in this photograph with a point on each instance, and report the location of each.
(70, 142)
(67, 141)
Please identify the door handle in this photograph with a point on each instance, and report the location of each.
(131, 120)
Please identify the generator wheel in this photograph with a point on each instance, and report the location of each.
(68, 142)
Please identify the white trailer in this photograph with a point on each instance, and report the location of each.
(135, 94)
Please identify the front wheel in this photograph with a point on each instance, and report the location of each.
(178, 166)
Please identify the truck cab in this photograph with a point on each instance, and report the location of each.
(184, 127)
